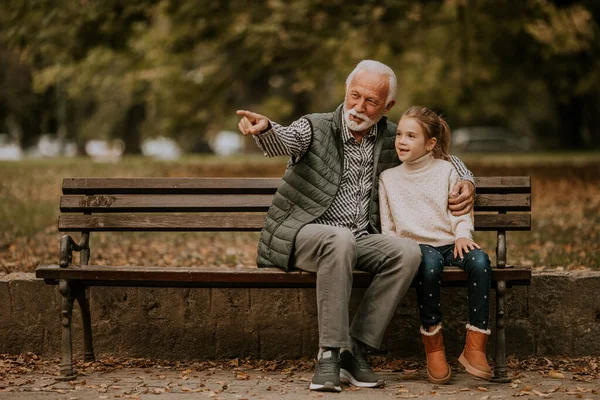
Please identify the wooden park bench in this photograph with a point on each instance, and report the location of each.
(231, 204)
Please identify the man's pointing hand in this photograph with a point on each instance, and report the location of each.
(252, 123)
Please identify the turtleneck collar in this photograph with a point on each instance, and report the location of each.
(420, 164)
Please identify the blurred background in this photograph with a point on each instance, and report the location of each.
(524, 73)
(150, 88)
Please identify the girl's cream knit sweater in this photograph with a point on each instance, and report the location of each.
(413, 202)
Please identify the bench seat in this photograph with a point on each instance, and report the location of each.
(232, 277)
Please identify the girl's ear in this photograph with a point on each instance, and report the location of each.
(430, 144)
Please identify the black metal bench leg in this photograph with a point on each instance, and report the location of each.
(66, 313)
(86, 320)
(500, 374)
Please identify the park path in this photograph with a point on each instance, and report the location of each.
(145, 379)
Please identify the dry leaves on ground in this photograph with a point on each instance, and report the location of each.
(22, 371)
(584, 369)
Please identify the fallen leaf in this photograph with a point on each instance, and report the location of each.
(242, 377)
(538, 393)
(556, 375)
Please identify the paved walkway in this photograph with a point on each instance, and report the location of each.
(120, 379)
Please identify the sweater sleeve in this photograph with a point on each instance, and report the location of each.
(385, 214)
(462, 226)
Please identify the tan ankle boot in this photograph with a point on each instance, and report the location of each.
(473, 356)
(438, 369)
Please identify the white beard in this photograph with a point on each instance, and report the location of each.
(355, 126)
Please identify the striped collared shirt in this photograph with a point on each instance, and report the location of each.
(350, 207)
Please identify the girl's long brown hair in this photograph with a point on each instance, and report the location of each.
(434, 126)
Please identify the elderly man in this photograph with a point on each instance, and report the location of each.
(325, 219)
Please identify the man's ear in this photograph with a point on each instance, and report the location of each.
(389, 106)
(431, 144)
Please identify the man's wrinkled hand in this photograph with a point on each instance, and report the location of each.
(252, 123)
(461, 199)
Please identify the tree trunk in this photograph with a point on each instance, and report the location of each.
(464, 53)
(592, 120)
(131, 133)
(570, 123)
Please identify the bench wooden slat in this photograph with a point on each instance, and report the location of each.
(507, 222)
(503, 184)
(170, 185)
(517, 184)
(240, 202)
(166, 203)
(162, 223)
(232, 222)
(503, 202)
(230, 277)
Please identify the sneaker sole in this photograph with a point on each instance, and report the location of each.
(347, 377)
(326, 387)
(472, 370)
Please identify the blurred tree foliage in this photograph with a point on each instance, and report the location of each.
(141, 68)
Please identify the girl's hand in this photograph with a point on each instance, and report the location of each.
(464, 245)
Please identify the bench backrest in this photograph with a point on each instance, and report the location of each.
(235, 204)
(240, 204)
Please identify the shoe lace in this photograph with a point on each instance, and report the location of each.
(362, 362)
(328, 365)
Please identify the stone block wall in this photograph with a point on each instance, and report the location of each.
(558, 314)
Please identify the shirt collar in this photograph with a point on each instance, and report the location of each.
(346, 135)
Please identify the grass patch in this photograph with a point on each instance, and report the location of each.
(565, 234)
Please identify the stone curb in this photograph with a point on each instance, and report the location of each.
(558, 314)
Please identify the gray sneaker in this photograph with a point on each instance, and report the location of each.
(355, 369)
(327, 372)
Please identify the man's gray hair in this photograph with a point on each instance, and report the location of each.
(379, 68)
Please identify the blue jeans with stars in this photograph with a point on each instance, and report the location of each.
(429, 278)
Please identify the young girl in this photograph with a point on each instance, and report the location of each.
(414, 204)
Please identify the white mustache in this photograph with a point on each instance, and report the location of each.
(360, 115)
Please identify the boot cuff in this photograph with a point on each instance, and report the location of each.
(432, 333)
(476, 329)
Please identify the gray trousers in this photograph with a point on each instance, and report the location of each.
(332, 253)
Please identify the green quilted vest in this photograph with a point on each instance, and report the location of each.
(309, 186)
